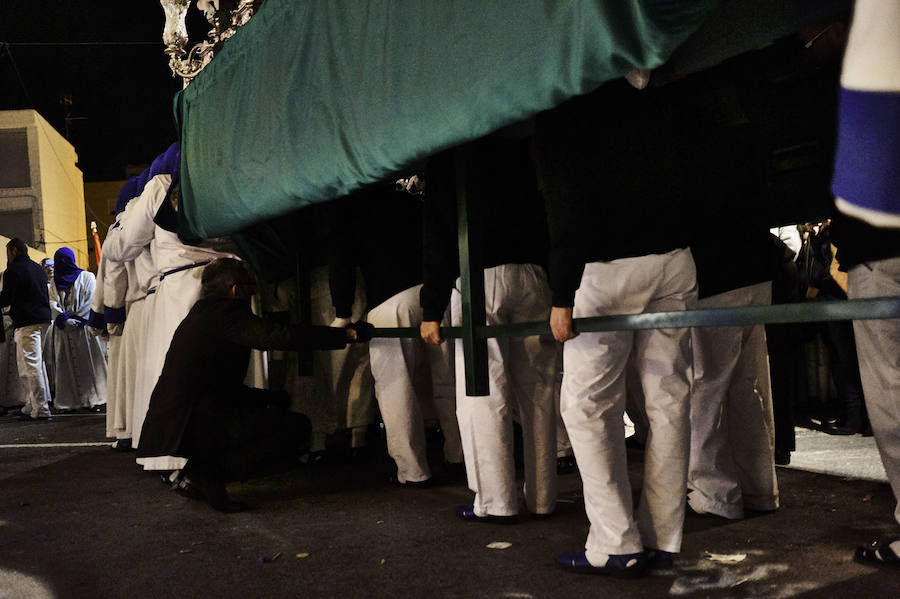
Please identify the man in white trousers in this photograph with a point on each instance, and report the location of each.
(390, 262)
(25, 292)
(618, 246)
(522, 371)
(866, 227)
(732, 467)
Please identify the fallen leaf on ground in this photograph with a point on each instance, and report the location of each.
(499, 545)
(186, 551)
(867, 498)
(726, 558)
(302, 555)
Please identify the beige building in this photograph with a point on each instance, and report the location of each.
(41, 189)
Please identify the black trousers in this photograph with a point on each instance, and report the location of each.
(245, 434)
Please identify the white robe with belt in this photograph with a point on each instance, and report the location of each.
(172, 295)
(80, 357)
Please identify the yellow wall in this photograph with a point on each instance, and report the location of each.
(62, 190)
(56, 192)
(100, 200)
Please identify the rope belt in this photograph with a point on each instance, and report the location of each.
(184, 267)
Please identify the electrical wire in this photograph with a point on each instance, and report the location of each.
(133, 43)
(15, 67)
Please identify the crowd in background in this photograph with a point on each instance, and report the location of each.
(49, 358)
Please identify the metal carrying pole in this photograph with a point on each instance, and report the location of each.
(471, 273)
(304, 312)
(875, 308)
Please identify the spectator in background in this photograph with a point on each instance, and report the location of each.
(80, 357)
(49, 365)
(25, 291)
(12, 393)
(825, 282)
(47, 265)
(785, 344)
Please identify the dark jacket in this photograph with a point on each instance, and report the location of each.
(378, 230)
(25, 291)
(500, 179)
(207, 362)
(859, 242)
(611, 168)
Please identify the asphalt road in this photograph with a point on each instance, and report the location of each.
(78, 519)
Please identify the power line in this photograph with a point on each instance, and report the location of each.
(124, 43)
(15, 67)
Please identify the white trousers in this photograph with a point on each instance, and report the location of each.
(30, 362)
(339, 392)
(118, 410)
(732, 426)
(878, 347)
(593, 402)
(133, 335)
(396, 366)
(523, 373)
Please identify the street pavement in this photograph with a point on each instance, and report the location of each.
(78, 519)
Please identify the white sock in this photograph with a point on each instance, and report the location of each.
(596, 559)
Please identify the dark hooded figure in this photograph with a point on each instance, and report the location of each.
(79, 357)
(201, 410)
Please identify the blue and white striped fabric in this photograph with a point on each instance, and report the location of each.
(867, 164)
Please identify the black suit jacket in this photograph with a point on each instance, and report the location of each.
(207, 362)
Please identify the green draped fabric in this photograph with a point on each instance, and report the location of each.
(315, 98)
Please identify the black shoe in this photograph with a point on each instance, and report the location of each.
(877, 553)
(657, 559)
(416, 484)
(28, 418)
(122, 445)
(782, 458)
(566, 464)
(196, 486)
(454, 471)
(835, 426)
(467, 513)
(3, 411)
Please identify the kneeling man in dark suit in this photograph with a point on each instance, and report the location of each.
(201, 410)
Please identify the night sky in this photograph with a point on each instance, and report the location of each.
(121, 92)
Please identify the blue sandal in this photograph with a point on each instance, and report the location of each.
(626, 565)
(877, 553)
